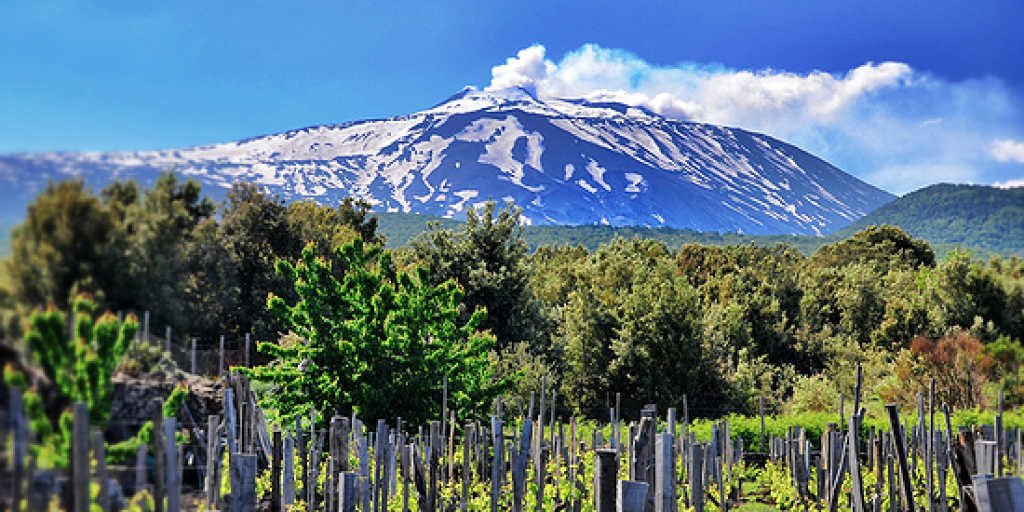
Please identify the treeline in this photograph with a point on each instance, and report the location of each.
(722, 326)
(202, 268)
(401, 228)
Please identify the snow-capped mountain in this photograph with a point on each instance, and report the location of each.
(561, 161)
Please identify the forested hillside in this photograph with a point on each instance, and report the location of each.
(722, 324)
(987, 219)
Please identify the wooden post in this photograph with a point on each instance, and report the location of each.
(275, 473)
(220, 363)
(606, 471)
(140, 468)
(173, 476)
(538, 454)
(159, 474)
(145, 326)
(333, 466)
(212, 461)
(906, 486)
(288, 478)
(498, 466)
(20, 438)
(519, 460)
(617, 426)
(432, 464)
(167, 339)
(696, 476)
(631, 496)
(379, 447)
(929, 461)
(248, 340)
(467, 473)
(347, 491)
(99, 453)
(999, 436)
(243, 482)
(312, 469)
(301, 439)
(193, 358)
(664, 473)
(857, 491)
(760, 408)
(80, 458)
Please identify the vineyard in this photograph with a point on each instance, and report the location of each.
(531, 459)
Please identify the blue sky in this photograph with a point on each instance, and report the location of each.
(900, 94)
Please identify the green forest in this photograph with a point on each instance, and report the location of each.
(475, 302)
(989, 219)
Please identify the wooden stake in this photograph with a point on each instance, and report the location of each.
(159, 459)
(80, 458)
(99, 453)
(243, 482)
(20, 438)
(212, 461)
(173, 476)
(906, 486)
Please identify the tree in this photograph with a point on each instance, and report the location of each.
(255, 233)
(377, 341)
(80, 366)
(880, 245)
(487, 257)
(210, 284)
(68, 242)
(957, 363)
(633, 325)
(330, 227)
(159, 228)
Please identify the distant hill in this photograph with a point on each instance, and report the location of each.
(977, 217)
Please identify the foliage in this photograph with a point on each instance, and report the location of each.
(487, 258)
(80, 366)
(631, 323)
(722, 319)
(67, 243)
(877, 245)
(377, 341)
(958, 364)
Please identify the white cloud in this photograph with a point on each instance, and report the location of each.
(1008, 150)
(524, 70)
(1015, 183)
(886, 122)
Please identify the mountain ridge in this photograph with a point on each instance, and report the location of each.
(564, 162)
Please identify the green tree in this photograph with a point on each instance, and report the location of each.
(376, 341)
(255, 233)
(633, 326)
(159, 227)
(80, 366)
(878, 245)
(68, 241)
(488, 258)
(330, 227)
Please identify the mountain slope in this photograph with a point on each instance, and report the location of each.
(978, 217)
(562, 161)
